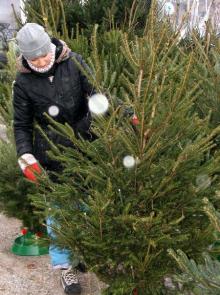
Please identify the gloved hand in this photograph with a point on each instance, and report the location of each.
(29, 166)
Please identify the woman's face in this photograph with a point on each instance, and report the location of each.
(42, 61)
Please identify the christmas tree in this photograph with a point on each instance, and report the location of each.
(124, 199)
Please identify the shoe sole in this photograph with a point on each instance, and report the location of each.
(65, 287)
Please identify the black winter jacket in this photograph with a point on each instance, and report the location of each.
(34, 94)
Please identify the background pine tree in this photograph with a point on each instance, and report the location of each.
(202, 278)
(14, 188)
(67, 15)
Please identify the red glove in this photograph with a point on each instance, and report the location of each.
(29, 167)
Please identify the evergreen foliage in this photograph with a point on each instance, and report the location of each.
(208, 53)
(65, 16)
(122, 221)
(201, 278)
(14, 188)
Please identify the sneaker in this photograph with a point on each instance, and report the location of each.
(70, 282)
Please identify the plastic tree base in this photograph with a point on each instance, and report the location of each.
(29, 245)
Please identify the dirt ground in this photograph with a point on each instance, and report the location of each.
(20, 275)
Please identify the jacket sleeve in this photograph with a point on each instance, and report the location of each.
(87, 87)
(23, 121)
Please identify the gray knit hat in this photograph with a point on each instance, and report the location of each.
(33, 41)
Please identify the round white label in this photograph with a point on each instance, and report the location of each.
(53, 111)
(129, 161)
(169, 8)
(98, 104)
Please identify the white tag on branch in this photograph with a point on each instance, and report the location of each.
(129, 162)
(169, 8)
(98, 104)
(53, 111)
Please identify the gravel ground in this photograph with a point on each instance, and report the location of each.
(21, 275)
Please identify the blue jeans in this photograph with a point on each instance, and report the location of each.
(60, 258)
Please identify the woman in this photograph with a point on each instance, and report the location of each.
(48, 80)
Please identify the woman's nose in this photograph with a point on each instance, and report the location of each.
(41, 62)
